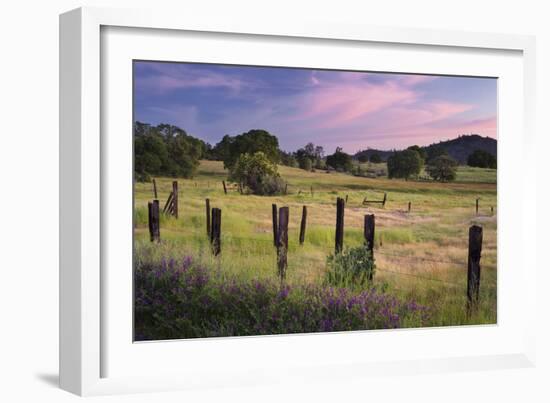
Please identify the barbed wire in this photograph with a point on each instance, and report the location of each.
(453, 284)
(419, 258)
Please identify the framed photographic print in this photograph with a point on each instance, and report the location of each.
(236, 200)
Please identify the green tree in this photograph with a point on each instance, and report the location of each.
(482, 159)
(250, 142)
(433, 152)
(404, 164)
(363, 158)
(257, 173)
(165, 150)
(375, 158)
(288, 159)
(340, 161)
(309, 156)
(421, 151)
(442, 168)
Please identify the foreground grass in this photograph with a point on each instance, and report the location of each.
(420, 255)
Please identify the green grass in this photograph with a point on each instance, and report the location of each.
(419, 255)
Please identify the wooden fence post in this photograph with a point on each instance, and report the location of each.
(409, 207)
(492, 211)
(168, 205)
(286, 188)
(346, 199)
(207, 216)
(282, 242)
(368, 233)
(154, 220)
(215, 231)
(303, 225)
(155, 189)
(474, 269)
(275, 223)
(224, 188)
(311, 190)
(175, 198)
(384, 200)
(477, 205)
(339, 239)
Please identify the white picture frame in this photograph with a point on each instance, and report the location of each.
(88, 332)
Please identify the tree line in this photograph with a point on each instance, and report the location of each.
(251, 158)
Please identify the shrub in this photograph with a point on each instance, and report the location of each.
(182, 300)
(350, 268)
(258, 174)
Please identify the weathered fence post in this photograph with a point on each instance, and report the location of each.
(207, 216)
(368, 233)
(384, 200)
(311, 190)
(492, 211)
(282, 242)
(286, 188)
(303, 225)
(409, 207)
(339, 239)
(477, 205)
(346, 199)
(474, 269)
(275, 223)
(154, 220)
(175, 198)
(215, 231)
(155, 188)
(224, 188)
(168, 205)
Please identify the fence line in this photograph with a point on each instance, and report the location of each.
(450, 283)
(418, 258)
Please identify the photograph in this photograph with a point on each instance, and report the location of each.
(272, 200)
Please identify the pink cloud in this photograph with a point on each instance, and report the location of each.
(337, 104)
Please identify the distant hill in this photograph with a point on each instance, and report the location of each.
(459, 148)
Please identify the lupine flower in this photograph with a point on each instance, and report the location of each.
(183, 301)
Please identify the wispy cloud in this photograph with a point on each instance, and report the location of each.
(164, 77)
(351, 109)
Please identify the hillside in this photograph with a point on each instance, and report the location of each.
(459, 148)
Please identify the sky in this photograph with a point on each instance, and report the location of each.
(352, 110)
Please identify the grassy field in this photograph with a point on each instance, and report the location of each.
(420, 255)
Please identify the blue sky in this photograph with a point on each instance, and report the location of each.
(353, 110)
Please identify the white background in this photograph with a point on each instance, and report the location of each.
(243, 355)
(29, 172)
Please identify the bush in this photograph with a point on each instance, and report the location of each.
(442, 168)
(175, 300)
(351, 268)
(258, 174)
